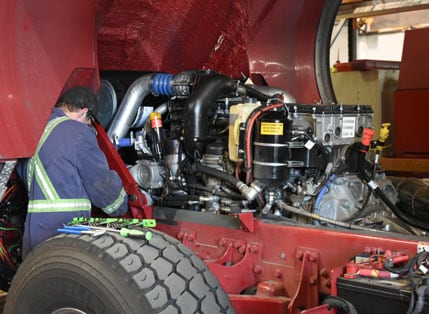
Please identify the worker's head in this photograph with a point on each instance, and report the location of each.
(80, 101)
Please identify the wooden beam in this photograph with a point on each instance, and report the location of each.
(376, 7)
(405, 164)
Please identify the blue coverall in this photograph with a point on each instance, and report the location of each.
(67, 174)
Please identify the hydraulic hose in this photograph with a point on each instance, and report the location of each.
(302, 212)
(249, 192)
(321, 194)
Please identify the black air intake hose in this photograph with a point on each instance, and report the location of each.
(209, 88)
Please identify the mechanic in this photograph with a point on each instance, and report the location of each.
(68, 172)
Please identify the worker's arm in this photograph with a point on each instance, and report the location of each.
(103, 186)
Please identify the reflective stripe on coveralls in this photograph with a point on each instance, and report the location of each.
(114, 206)
(52, 203)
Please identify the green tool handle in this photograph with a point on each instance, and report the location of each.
(133, 233)
(148, 223)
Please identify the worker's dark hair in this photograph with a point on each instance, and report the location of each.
(77, 98)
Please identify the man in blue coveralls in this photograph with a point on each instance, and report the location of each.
(68, 172)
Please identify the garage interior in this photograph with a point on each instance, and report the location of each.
(378, 57)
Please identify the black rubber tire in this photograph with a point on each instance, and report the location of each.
(113, 274)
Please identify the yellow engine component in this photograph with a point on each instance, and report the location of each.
(238, 114)
(382, 136)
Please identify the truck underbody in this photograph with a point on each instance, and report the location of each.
(251, 164)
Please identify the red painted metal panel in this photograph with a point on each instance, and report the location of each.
(251, 304)
(273, 38)
(282, 48)
(48, 43)
(173, 36)
(44, 44)
(412, 97)
(411, 112)
(414, 64)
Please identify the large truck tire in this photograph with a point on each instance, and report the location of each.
(112, 274)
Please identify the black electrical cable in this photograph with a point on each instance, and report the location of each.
(399, 270)
(412, 285)
(368, 195)
(341, 304)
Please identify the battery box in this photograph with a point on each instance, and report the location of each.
(374, 295)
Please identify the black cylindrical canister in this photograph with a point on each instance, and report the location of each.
(271, 151)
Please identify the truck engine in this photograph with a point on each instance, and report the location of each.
(205, 142)
(262, 192)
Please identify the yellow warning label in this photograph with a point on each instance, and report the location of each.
(271, 128)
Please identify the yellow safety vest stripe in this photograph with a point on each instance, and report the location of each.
(56, 206)
(35, 166)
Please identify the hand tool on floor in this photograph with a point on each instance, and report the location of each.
(96, 231)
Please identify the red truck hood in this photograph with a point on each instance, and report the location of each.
(49, 45)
